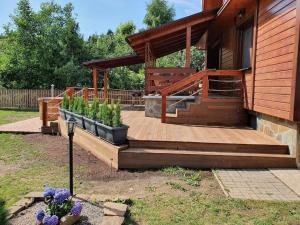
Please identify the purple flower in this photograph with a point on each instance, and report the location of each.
(49, 192)
(76, 210)
(61, 195)
(50, 220)
(40, 215)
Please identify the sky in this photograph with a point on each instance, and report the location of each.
(97, 16)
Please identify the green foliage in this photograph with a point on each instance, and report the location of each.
(106, 114)
(65, 101)
(60, 210)
(116, 115)
(93, 111)
(158, 13)
(3, 213)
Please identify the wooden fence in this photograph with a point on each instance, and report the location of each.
(28, 98)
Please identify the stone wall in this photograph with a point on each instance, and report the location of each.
(284, 131)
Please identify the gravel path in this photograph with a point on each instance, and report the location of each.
(91, 215)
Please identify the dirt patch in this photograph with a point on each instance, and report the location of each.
(98, 178)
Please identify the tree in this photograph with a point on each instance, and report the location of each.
(158, 13)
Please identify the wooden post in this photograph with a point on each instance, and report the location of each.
(188, 47)
(105, 84)
(205, 87)
(95, 82)
(45, 114)
(70, 91)
(163, 108)
(86, 94)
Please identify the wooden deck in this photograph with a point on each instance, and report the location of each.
(153, 144)
(151, 129)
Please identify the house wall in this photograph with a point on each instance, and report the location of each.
(274, 57)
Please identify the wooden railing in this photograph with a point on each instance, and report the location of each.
(204, 76)
(160, 78)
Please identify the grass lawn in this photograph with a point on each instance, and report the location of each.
(29, 162)
(10, 116)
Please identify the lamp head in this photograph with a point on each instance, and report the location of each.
(71, 124)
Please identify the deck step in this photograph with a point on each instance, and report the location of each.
(137, 158)
(210, 147)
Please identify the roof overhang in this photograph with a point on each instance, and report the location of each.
(114, 62)
(171, 37)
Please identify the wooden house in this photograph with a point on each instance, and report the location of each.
(251, 79)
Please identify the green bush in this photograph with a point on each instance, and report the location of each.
(106, 114)
(81, 106)
(99, 114)
(94, 109)
(65, 102)
(116, 115)
(71, 103)
(3, 213)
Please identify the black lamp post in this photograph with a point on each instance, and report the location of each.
(71, 124)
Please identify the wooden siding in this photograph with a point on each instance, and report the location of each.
(275, 52)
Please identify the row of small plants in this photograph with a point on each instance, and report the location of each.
(108, 114)
(99, 118)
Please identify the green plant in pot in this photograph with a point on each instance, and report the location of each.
(64, 106)
(91, 115)
(111, 128)
(78, 111)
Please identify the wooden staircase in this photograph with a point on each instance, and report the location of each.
(211, 112)
(159, 154)
(211, 108)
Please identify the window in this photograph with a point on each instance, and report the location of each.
(245, 43)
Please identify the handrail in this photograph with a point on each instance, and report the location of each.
(202, 75)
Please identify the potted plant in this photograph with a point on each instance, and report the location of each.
(64, 106)
(61, 208)
(78, 110)
(90, 116)
(109, 125)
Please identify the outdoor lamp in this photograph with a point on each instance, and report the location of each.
(71, 124)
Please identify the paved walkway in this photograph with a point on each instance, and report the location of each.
(25, 126)
(255, 184)
(291, 177)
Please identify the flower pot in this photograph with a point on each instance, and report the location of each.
(69, 220)
(90, 125)
(62, 113)
(79, 120)
(68, 114)
(114, 135)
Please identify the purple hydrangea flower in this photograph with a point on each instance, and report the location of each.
(76, 210)
(50, 220)
(40, 215)
(61, 195)
(49, 192)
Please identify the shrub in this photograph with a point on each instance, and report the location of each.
(75, 104)
(71, 103)
(116, 119)
(65, 102)
(3, 213)
(94, 109)
(99, 114)
(81, 106)
(106, 113)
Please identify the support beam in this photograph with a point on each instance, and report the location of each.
(95, 82)
(105, 82)
(188, 47)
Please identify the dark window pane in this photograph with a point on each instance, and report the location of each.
(247, 47)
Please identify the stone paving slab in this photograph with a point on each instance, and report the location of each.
(254, 184)
(291, 177)
(25, 126)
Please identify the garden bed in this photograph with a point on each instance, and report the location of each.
(92, 214)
